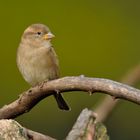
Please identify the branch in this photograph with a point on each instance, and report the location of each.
(37, 136)
(10, 130)
(86, 128)
(106, 106)
(31, 97)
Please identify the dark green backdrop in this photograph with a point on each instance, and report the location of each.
(94, 38)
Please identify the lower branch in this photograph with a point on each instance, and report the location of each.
(86, 128)
(30, 98)
(37, 136)
(10, 130)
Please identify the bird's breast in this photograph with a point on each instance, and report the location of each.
(38, 65)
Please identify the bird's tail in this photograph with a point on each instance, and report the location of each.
(61, 102)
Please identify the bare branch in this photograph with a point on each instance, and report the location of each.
(132, 77)
(106, 106)
(37, 136)
(86, 128)
(31, 97)
(10, 130)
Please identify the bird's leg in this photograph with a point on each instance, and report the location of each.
(41, 84)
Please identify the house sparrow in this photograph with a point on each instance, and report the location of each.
(37, 60)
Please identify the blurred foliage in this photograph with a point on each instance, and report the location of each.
(101, 132)
(94, 38)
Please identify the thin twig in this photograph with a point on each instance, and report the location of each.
(37, 136)
(31, 97)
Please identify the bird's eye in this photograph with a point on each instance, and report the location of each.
(39, 33)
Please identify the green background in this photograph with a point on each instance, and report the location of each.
(94, 38)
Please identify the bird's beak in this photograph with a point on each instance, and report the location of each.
(48, 36)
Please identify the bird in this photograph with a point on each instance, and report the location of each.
(37, 60)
